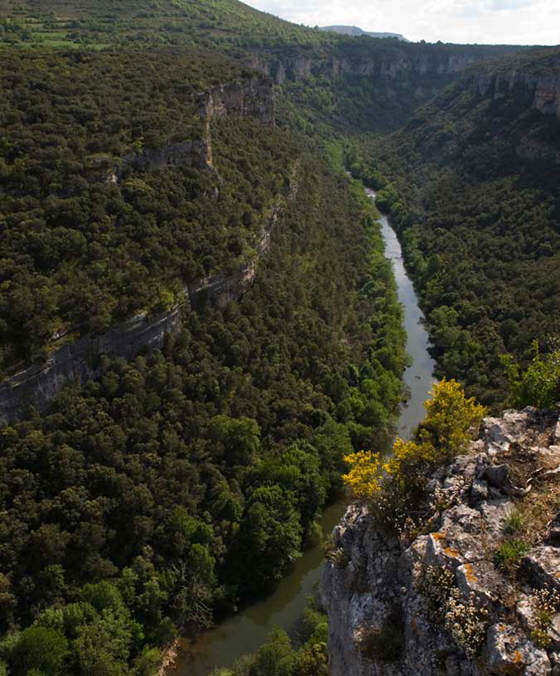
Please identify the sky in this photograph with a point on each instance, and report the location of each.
(527, 22)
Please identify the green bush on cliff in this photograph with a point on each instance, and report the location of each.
(393, 485)
(537, 385)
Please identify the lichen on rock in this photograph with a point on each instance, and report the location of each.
(477, 590)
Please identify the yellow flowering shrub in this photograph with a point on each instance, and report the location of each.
(365, 474)
(394, 484)
(449, 417)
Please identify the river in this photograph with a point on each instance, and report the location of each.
(418, 377)
(245, 631)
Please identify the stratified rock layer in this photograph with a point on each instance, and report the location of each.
(372, 577)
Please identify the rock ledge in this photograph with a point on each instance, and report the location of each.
(456, 611)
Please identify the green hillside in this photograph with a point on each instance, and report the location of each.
(183, 483)
(93, 235)
(145, 22)
(188, 480)
(146, 146)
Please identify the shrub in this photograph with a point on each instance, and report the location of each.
(395, 485)
(448, 608)
(449, 419)
(509, 554)
(545, 604)
(539, 384)
(466, 621)
(513, 523)
(435, 585)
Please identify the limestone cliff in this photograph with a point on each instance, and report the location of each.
(448, 600)
(251, 98)
(390, 65)
(372, 85)
(531, 87)
(79, 360)
(540, 86)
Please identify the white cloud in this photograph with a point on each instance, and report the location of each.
(509, 4)
(534, 22)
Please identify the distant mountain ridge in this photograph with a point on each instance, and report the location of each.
(356, 31)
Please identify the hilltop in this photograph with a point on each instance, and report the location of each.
(355, 30)
(229, 23)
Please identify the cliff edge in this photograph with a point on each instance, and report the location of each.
(476, 588)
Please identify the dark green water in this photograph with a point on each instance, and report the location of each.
(245, 631)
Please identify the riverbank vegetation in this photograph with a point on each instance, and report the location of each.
(539, 384)
(303, 652)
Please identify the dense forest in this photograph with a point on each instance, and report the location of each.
(90, 236)
(472, 184)
(183, 483)
(189, 478)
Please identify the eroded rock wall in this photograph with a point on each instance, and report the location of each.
(391, 65)
(78, 361)
(541, 90)
(252, 98)
(471, 619)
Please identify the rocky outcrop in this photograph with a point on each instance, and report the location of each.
(195, 153)
(525, 88)
(79, 360)
(252, 98)
(438, 603)
(539, 87)
(222, 288)
(389, 65)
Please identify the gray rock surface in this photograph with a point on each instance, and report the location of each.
(460, 613)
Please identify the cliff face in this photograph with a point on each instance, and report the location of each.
(530, 87)
(513, 105)
(438, 603)
(392, 65)
(542, 90)
(78, 361)
(252, 98)
(366, 85)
